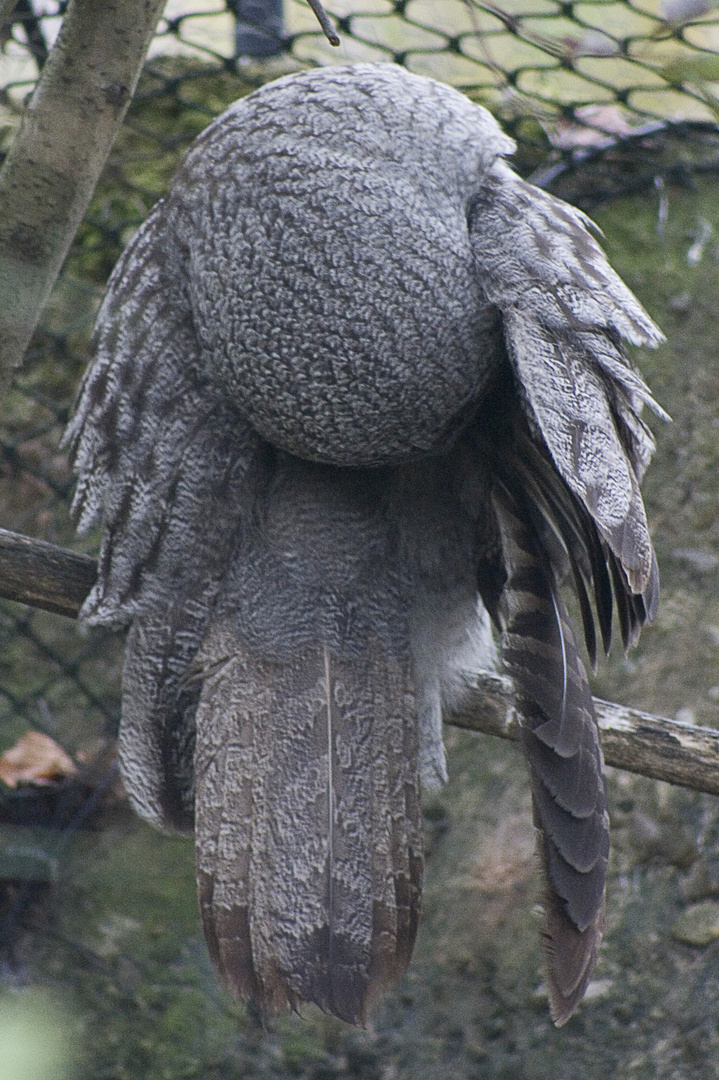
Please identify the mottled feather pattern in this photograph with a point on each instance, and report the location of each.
(555, 268)
(169, 460)
(356, 385)
(309, 840)
(327, 202)
(565, 311)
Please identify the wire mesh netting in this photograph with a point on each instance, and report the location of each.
(571, 80)
(629, 89)
(602, 96)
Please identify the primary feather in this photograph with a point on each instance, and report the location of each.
(358, 387)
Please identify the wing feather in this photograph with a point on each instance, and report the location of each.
(561, 744)
(169, 466)
(565, 312)
(566, 448)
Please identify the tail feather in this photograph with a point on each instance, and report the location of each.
(309, 872)
(223, 786)
(561, 743)
(397, 860)
(571, 956)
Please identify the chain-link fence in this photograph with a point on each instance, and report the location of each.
(569, 79)
(573, 81)
(602, 83)
(602, 97)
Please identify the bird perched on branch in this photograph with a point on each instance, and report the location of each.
(357, 390)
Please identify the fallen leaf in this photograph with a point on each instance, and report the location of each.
(35, 759)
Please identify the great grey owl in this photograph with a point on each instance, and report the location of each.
(358, 389)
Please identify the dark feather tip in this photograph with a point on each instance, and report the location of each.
(571, 957)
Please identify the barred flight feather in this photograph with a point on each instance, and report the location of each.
(561, 742)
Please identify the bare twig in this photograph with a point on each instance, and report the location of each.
(55, 161)
(55, 579)
(32, 24)
(324, 20)
(482, 42)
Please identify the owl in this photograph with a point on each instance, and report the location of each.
(360, 406)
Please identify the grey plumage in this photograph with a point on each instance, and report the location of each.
(356, 387)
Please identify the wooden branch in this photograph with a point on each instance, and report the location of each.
(55, 579)
(635, 741)
(56, 158)
(44, 575)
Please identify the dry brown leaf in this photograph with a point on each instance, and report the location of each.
(35, 759)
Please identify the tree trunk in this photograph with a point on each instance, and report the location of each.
(53, 165)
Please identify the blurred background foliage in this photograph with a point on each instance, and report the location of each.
(104, 971)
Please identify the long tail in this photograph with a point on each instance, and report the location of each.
(308, 831)
(561, 743)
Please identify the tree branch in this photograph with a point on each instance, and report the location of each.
(635, 741)
(55, 579)
(55, 161)
(44, 575)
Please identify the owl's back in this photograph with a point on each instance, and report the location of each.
(332, 281)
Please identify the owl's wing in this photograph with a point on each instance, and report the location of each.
(165, 464)
(566, 465)
(565, 313)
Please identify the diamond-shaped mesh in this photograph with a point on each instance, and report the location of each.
(569, 79)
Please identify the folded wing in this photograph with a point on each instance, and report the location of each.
(567, 448)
